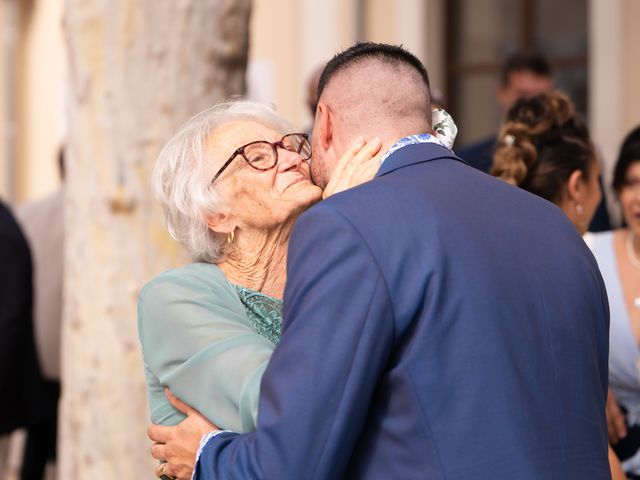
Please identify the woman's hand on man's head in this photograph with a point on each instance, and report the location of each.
(358, 165)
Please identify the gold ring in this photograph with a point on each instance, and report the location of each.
(163, 472)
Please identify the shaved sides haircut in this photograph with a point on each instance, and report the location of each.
(369, 90)
(391, 54)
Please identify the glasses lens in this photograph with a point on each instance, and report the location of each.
(260, 155)
(298, 143)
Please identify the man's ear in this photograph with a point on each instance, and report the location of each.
(324, 119)
(221, 223)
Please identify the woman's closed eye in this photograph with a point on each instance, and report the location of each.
(258, 158)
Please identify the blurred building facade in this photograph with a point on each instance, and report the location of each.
(462, 42)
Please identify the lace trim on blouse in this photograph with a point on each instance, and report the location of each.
(265, 312)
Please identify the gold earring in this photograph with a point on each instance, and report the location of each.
(230, 237)
(579, 209)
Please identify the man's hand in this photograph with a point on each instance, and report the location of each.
(178, 445)
(616, 423)
(358, 165)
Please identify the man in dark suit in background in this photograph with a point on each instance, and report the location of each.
(523, 75)
(19, 372)
(42, 222)
(425, 334)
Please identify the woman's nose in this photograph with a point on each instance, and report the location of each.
(288, 159)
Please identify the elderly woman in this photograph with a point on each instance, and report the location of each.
(232, 182)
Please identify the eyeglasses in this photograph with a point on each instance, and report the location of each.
(263, 155)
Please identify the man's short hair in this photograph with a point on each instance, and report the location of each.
(525, 62)
(392, 54)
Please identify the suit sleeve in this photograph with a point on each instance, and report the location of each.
(317, 389)
(196, 343)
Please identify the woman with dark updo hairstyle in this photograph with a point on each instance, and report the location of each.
(618, 256)
(544, 147)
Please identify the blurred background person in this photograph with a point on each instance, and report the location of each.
(312, 95)
(618, 256)
(437, 99)
(19, 371)
(545, 148)
(43, 224)
(523, 75)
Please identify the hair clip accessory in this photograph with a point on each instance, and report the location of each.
(509, 140)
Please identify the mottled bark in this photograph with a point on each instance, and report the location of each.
(138, 69)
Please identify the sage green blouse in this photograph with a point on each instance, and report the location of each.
(209, 341)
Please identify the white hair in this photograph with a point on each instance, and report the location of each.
(181, 178)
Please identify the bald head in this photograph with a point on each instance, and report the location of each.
(369, 90)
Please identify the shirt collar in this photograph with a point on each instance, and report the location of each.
(413, 140)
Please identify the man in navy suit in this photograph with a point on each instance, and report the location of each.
(426, 335)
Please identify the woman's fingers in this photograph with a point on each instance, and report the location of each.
(356, 166)
(365, 154)
(343, 168)
(368, 151)
(159, 433)
(158, 451)
(348, 156)
(355, 147)
(364, 166)
(616, 422)
(616, 426)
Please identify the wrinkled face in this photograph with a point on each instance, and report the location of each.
(593, 194)
(630, 197)
(522, 83)
(259, 199)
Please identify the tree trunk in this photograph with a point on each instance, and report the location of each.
(138, 69)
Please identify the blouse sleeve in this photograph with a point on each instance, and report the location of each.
(197, 340)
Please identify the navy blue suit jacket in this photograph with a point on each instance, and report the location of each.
(439, 323)
(480, 155)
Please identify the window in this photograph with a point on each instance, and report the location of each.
(480, 35)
